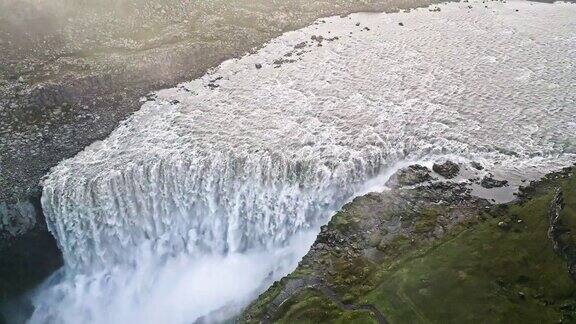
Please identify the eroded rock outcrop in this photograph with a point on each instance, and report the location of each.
(447, 169)
(28, 252)
(562, 230)
(488, 182)
(409, 176)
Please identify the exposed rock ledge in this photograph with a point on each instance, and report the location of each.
(29, 253)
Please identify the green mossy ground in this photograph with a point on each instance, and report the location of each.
(483, 273)
(499, 267)
(311, 306)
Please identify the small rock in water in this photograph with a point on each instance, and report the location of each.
(301, 44)
(490, 183)
(476, 165)
(151, 97)
(447, 169)
(409, 176)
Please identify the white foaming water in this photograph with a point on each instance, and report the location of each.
(208, 194)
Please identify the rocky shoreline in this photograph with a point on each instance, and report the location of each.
(374, 250)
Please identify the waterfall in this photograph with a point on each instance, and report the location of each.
(216, 187)
(214, 203)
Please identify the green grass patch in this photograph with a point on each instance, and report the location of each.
(258, 309)
(484, 273)
(311, 306)
(427, 220)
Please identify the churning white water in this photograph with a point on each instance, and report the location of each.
(216, 188)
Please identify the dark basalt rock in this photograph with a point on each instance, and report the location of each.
(561, 232)
(412, 175)
(151, 97)
(447, 169)
(476, 165)
(28, 252)
(489, 183)
(301, 45)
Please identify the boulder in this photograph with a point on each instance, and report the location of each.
(476, 165)
(489, 183)
(447, 169)
(412, 175)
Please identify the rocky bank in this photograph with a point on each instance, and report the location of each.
(434, 253)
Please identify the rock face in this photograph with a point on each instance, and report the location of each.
(412, 175)
(563, 229)
(16, 219)
(28, 252)
(489, 183)
(447, 169)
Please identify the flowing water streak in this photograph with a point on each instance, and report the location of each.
(205, 188)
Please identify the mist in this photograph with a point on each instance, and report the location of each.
(169, 289)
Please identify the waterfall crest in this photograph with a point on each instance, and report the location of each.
(199, 204)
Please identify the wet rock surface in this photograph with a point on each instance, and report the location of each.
(476, 165)
(412, 175)
(488, 182)
(28, 252)
(447, 169)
